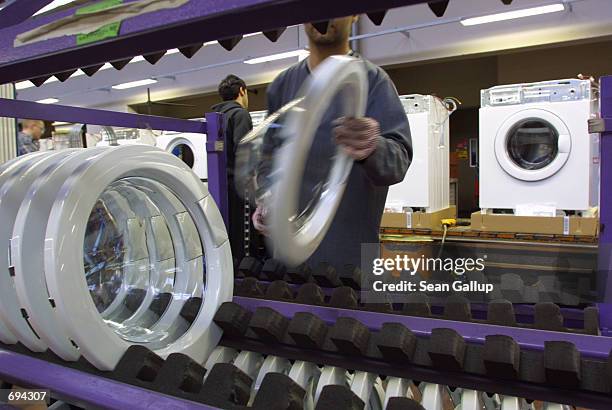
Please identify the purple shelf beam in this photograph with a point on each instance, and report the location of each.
(20, 10)
(84, 389)
(53, 112)
(605, 209)
(590, 346)
(195, 22)
(217, 164)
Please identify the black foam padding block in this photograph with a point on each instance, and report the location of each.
(279, 290)
(591, 320)
(512, 287)
(191, 308)
(160, 303)
(335, 397)
(233, 319)
(249, 267)
(134, 299)
(326, 275)
(350, 336)
(501, 312)
(273, 270)
(279, 392)
(249, 287)
(562, 364)
(417, 304)
(310, 294)
(396, 342)
(547, 316)
(344, 297)
(403, 403)
(307, 330)
(457, 308)
(351, 276)
(138, 363)
(447, 349)
(180, 373)
(501, 356)
(226, 386)
(299, 274)
(320, 26)
(268, 324)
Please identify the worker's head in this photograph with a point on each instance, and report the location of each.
(34, 128)
(233, 88)
(337, 35)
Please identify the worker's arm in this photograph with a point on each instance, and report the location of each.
(270, 143)
(381, 142)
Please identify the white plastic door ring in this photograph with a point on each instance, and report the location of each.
(100, 343)
(14, 185)
(27, 247)
(6, 336)
(295, 241)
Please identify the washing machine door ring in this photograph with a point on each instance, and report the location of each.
(296, 237)
(532, 144)
(189, 157)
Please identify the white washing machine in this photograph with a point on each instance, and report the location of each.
(535, 147)
(426, 184)
(190, 147)
(257, 117)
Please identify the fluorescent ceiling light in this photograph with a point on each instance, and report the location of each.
(53, 5)
(48, 101)
(279, 56)
(133, 84)
(533, 11)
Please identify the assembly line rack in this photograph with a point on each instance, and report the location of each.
(187, 28)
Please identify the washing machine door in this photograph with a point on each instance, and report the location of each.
(533, 144)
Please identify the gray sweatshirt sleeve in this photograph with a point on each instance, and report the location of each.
(389, 162)
(269, 144)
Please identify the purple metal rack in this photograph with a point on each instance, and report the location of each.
(84, 389)
(604, 263)
(217, 173)
(196, 22)
(588, 345)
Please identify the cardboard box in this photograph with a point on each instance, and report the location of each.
(557, 225)
(417, 220)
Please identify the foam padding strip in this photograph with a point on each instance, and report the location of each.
(279, 392)
(334, 397)
(447, 349)
(233, 319)
(562, 364)
(501, 356)
(307, 330)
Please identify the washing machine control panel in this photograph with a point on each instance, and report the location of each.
(546, 91)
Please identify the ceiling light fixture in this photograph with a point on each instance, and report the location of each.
(279, 56)
(133, 84)
(48, 101)
(515, 14)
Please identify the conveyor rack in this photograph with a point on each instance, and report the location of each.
(466, 234)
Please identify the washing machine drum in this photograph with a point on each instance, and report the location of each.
(108, 248)
(532, 145)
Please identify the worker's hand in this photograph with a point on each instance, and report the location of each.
(259, 219)
(358, 136)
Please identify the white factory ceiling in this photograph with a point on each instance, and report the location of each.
(178, 76)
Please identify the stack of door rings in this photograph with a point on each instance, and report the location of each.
(104, 248)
